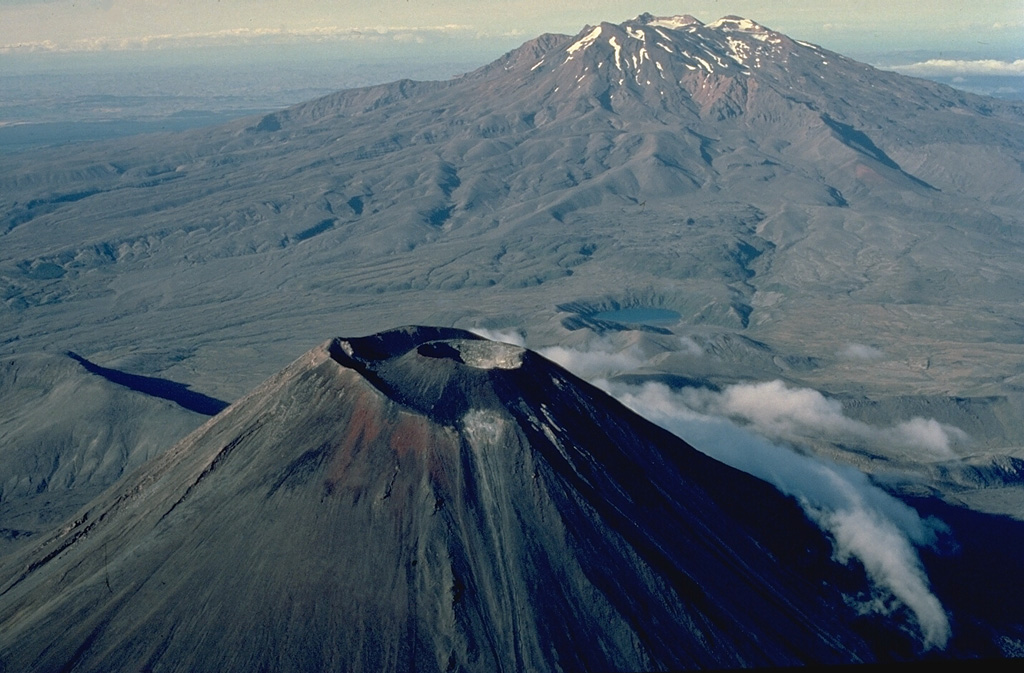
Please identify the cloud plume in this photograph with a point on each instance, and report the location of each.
(780, 412)
(942, 67)
(860, 352)
(601, 359)
(864, 522)
(503, 336)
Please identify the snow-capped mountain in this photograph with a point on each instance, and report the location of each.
(676, 63)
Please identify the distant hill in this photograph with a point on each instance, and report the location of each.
(750, 182)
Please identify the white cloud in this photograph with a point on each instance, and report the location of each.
(940, 67)
(601, 358)
(792, 414)
(513, 337)
(861, 352)
(776, 409)
(241, 36)
(926, 433)
(604, 356)
(690, 347)
(891, 562)
(864, 522)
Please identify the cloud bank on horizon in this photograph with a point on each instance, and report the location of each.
(945, 67)
(118, 25)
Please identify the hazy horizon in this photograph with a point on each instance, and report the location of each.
(107, 68)
(487, 28)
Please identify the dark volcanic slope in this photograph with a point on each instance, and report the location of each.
(67, 434)
(424, 499)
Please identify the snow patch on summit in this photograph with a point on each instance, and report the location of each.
(346, 347)
(739, 51)
(674, 22)
(636, 34)
(583, 43)
(728, 23)
(721, 45)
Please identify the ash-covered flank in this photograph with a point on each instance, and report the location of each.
(426, 499)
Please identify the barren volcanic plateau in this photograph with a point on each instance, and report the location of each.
(711, 215)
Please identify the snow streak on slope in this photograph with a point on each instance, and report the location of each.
(583, 43)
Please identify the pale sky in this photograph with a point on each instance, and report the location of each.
(988, 28)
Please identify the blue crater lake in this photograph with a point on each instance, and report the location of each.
(639, 316)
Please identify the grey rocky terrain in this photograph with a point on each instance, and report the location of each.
(823, 252)
(808, 218)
